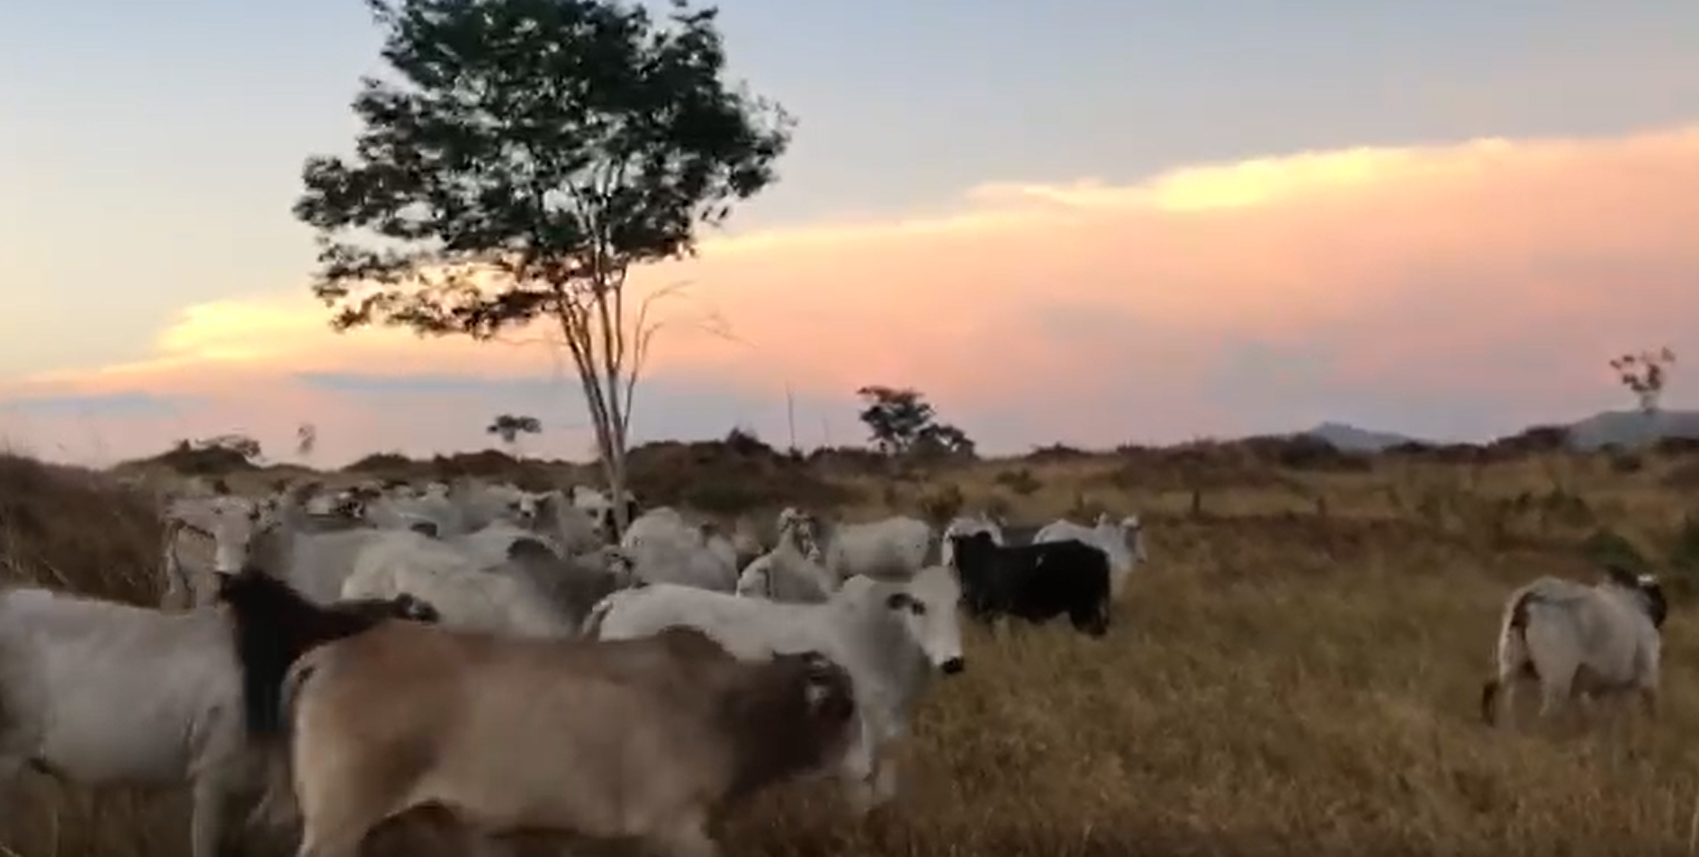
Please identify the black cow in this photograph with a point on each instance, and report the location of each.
(1034, 582)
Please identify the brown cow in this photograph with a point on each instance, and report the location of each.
(647, 739)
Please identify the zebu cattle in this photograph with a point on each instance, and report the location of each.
(665, 548)
(292, 548)
(890, 636)
(466, 506)
(599, 505)
(553, 515)
(1573, 639)
(1122, 542)
(1035, 582)
(642, 739)
(104, 694)
(465, 593)
(893, 548)
(788, 573)
(573, 585)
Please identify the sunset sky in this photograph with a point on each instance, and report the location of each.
(1085, 222)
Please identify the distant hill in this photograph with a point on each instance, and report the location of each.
(1352, 439)
(1629, 428)
(1622, 428)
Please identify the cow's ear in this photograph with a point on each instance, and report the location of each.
(1621, 576)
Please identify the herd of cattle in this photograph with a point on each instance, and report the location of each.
(515, 658)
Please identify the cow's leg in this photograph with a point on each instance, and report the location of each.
(1648, 693)
(1556, 688)
(858, 766)
(1646, 662)
(686, 836)
(884, 785)
(1498, 697)
(206, 816)
(1092, 621)
(336, 814)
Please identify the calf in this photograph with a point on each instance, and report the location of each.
(645, 739)
(1034, 582)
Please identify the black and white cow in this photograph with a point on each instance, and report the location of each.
(1034, 582)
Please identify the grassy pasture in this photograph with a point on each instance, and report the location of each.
(1297, 670)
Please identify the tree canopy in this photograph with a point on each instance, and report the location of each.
(509, 427)
(517, 158)
(901, 422)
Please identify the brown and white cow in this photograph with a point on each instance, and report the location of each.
(645, 739)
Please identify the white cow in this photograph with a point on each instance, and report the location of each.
(465, 592)
(290, 546)
(225, 518)
(894, 547)
(891, 636)
(599, 505)
(666, 548)
(788, 573)
(551, 515)
(105, 694)
(462, 508)
(1577, 639)
(967, 525)
(1122, 542)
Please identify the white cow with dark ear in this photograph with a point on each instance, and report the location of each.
(1601, 640)
(1122, 541)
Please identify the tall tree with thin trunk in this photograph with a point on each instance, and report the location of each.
(515, 162)
(1645, 375)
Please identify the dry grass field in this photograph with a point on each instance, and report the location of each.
(1297, 670)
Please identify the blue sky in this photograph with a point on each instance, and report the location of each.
(152, 151)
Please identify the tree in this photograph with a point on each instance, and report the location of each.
(509, 427)
(241, 445)
(901, 421)
(1645, 375)
(942, 440)
(306, 439)
(519, 159)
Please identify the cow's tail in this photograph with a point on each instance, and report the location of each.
(277, 807)
(1512, 654)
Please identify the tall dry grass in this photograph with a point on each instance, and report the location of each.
(1296, 671)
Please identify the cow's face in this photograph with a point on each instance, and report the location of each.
(236, 524)
(926, 605)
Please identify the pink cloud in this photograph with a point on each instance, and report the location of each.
(1458, 288)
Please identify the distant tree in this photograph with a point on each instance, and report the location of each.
(941, 440)
(518, 159)
(900, 421)
(509, 427)
(240, 444)
(1645, 375)
(306, 439)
